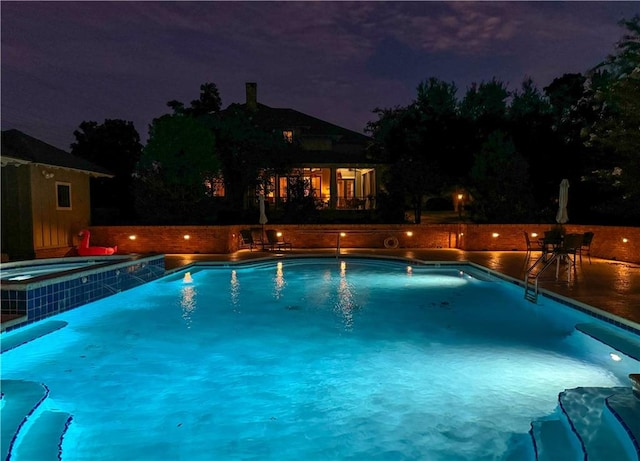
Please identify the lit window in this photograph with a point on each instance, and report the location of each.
(63, 196)
(288, 136)
(214, 186)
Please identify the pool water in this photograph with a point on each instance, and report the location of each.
(313, 360)
(28, 272)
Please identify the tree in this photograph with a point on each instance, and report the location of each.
(177, 160)
(564, 93)
(615, 134)
(114, 145)
(485, 101)
(482, 110)
(500, 179)
(209, 102)
(248, 154)
(413, 173)
(530, 121)
(441, 127)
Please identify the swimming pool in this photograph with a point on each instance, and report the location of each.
(313, 359)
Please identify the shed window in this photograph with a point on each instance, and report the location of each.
(63, 196)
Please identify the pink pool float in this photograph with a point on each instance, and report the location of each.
(85, 250)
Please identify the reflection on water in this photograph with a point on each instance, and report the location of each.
(234, 290)
(345, 304)
(278, 281)
(188, 303)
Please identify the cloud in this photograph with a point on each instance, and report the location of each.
(335, 60)
(464, 28)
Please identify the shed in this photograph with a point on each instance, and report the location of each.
(45, 197)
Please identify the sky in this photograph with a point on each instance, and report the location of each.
(63, 63)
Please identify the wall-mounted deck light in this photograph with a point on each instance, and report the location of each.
(186, 236)
(132, 237)
(534, 234)
(409, 234)
(625, 240)
(495, 235)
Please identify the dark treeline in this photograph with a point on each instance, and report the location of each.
(506, 150)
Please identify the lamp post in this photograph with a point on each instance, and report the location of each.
(460, 205)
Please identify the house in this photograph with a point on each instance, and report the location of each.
(45, 197)
(332, 160)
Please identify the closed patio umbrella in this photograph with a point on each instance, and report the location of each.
(263, 215)
(562, 217)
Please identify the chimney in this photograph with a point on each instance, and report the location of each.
(252, 95)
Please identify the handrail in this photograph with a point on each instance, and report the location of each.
(533, 296)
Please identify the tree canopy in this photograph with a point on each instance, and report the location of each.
(114, 145)
(171, 174)
(582, 127)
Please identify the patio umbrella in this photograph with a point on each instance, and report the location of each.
(562, 217)
(263, 216)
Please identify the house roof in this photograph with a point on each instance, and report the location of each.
(276, 118)
(347, 146)
(19, 148)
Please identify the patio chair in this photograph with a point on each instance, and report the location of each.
(587, 238)
(258, 236)
(571, 244)
(247, 238)
(530, 247)
(551, 241)
(275, 242)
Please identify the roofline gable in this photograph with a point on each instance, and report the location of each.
(19, 148)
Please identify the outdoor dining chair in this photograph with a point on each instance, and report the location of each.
(570, 246)
(530, 246)
(247, 238)
(586, 245)
(550, 242)
(275, 242)
(257, 234)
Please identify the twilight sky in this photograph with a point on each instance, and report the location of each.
(67, 62)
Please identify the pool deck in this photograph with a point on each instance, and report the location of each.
(611, 286)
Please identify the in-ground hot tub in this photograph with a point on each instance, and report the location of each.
(33, 290)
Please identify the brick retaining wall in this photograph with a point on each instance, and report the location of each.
(607, 243)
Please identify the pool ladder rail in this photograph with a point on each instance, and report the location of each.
(534, 272)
